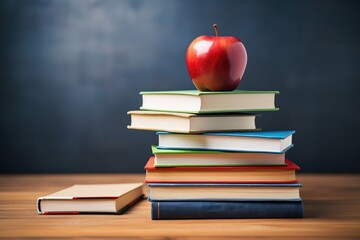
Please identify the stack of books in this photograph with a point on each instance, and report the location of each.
(212, 162)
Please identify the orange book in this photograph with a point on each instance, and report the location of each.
(223, 174)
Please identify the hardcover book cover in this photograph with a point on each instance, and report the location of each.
(191, 123)
(178, 192)
(256, 141)
(222, 174)
(289, 166)
(226, 210)
(255, 134)
(194, 101)
(166, 157)
(198, 93)
(91, 198)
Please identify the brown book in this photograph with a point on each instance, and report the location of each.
(99, 198)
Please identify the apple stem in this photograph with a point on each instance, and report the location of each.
(216, 29)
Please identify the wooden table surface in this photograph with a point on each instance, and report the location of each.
(332, 211)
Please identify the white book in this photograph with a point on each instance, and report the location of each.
(261, 141)
(224, 192)
(190, 123)
(178, 158)
(193, 101)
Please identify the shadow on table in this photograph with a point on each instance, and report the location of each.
(322, 209)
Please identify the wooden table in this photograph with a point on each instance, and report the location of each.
(332, 211)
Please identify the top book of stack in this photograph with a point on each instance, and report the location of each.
(193, 101)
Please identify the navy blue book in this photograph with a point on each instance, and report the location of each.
(226, 210)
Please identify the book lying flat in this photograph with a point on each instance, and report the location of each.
(226, 174)
(99, 198)
(223, 192)
(183, 157)
(261, 141)
(194, 101)
(190, 123)
(226, 210)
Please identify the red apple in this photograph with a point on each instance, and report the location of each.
(216, 63)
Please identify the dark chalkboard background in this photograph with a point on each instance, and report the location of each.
(70, 70)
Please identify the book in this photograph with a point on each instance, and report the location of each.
(190, 123)
(223, 192)
(224, 174)
(194, 101)
(184, 157)
(226, 210)
(99, 198)
(263, 141)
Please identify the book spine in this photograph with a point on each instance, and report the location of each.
(226, 210)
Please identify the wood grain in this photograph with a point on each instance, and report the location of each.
(332, 211)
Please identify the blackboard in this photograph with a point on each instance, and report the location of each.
(70, 70)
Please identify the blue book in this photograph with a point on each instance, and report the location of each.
(259, 141)
(226, 210)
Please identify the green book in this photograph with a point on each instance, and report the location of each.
(194, 101)
(194, 158)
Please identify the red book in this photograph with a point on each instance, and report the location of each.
(228, 174)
